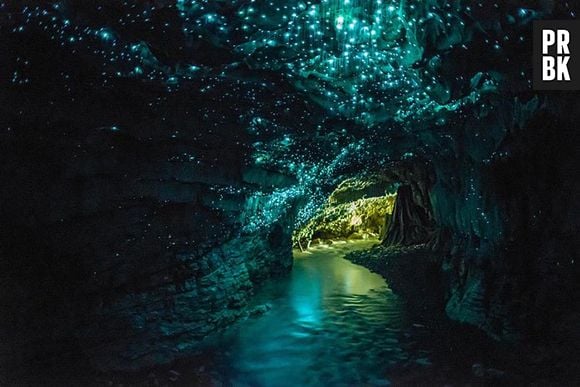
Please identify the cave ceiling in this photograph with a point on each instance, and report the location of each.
(315, 89)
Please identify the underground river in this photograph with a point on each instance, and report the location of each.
(331, 323)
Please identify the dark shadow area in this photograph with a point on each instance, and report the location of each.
(162, 161)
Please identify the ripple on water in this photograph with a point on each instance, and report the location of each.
(331, 323)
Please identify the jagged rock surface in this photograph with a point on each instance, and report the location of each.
(156, 157)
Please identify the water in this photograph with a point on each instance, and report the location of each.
(331, 323)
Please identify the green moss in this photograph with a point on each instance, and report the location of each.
(353, 189)
(361, 218)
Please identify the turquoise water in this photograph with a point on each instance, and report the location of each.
(331, 323)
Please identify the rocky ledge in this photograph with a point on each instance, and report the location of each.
(416, 273)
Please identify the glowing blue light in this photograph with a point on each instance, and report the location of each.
(105, 35)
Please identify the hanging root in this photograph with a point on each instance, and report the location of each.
(300, 245)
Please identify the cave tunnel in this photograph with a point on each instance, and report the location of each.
(282, 193)
(359, 208)
(386, 207)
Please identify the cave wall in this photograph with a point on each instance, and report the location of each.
(124, 249)
(504, 219)
(154, 170)
(498, 205)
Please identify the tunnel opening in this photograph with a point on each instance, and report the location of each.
(359, 208)
(392, 208)
(386, 222)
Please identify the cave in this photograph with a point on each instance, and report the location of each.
(359, 208)
(281, 193)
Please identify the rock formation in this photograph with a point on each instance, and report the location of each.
(157, 157)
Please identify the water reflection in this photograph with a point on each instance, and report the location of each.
(331, 323)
